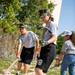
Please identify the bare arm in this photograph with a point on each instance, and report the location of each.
(37, 49)
(60, 56)
(18, 49)
(51, 40)
(37, 45)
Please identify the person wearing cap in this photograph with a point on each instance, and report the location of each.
(27, 39)
(68, 50)
(48, 49)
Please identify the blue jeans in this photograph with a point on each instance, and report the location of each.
(68, 62)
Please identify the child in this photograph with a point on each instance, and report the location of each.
(27, 39)
(68, 50)
(48, 49)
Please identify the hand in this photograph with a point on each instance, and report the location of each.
(35, 56)
(57, 62)
(44, 43)
(17, 55)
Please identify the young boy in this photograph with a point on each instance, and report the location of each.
(27, 39)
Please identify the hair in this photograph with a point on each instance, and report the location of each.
(48, 13)
(52, 19)
(72, 38)
(46, 10)
(22, 24)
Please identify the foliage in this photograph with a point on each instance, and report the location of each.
(13, 12)
(60, 42)
(7, 15)
(7, 28)
(4, 64)
(51, 6)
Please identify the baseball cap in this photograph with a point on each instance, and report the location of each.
(44, 12)
(67, 32)
(22, 26)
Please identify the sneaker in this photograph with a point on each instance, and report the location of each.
(17, 74)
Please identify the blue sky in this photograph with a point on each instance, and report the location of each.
(67, 16)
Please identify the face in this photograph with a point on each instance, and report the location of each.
(45, 19)
(23, 30)
(66, 37)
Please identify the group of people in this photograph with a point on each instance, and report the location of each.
(30, 43)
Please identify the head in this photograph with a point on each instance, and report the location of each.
(67, 34)
(45, 15)
(23, 28)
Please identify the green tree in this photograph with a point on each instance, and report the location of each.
(60, 42)
(13, 12)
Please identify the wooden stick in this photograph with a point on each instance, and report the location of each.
(12, 65)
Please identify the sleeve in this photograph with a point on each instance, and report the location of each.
(64, 47)
(19, 40)
(34, 36)
(53, 29)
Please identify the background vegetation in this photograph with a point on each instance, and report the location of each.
(21, 11)
(13, 12)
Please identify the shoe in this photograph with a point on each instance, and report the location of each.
(17, 74)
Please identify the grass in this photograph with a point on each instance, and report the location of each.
(55, 71)
(4, 64)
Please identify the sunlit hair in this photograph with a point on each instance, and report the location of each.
(72, 38)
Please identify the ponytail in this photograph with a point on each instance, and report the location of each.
(52, 19)
(72, 38)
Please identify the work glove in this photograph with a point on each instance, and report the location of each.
(36, 53)
(57, 62)
(43, 43)
(35, 56)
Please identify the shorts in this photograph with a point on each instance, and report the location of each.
(26, 55)
(47, 55)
